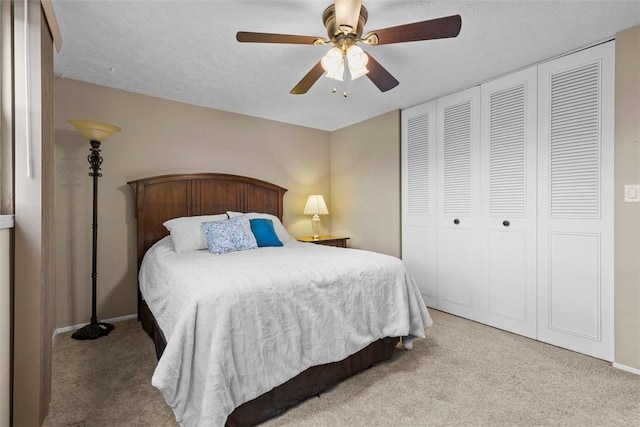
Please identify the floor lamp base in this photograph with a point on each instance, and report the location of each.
(93, 331)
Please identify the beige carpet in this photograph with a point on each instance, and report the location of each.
(464, 373)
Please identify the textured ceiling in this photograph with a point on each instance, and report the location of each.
(186, 50)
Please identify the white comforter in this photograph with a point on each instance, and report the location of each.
(241, 323)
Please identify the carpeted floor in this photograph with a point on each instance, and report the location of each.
(463, 374)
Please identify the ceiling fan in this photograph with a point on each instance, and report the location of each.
(344, 21)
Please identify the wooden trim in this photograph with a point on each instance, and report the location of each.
(6, 165)
(50, 15)
(47, 320)
(33, 242)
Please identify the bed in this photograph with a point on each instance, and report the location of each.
(161, 198)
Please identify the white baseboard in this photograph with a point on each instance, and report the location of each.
(626, 368)
(76, 327)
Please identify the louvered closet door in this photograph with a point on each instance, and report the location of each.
(418, 197)
(508, 165)
(575, 252)
(458, 186)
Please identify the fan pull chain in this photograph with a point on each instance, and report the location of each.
(345, 77)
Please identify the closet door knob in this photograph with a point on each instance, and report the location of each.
(506, 223)
(456, 221)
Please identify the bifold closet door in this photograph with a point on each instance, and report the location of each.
(458, 191)
(508, 182)
(418, 197)
(575, 204)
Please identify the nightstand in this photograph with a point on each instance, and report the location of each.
(337, 241)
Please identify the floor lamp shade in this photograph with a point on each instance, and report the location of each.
(316, 206)
(96, 133)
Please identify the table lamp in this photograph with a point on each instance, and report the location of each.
(316, 206)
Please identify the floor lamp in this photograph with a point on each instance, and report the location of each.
(96, 133)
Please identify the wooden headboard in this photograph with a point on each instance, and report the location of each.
(160, 198)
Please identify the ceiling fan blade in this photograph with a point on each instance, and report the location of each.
(380, 76)
(246, 36)
(347, 14)
(440, 28)
(308, 80)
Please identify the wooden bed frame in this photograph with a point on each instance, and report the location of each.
(160, 198)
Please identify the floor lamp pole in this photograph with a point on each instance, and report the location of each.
(95, 160)
(93, 130)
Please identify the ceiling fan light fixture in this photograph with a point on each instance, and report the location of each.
(356, 74)
(337, 74)
(357, 60)
(344, 21)
(332, 60)
(356, 57)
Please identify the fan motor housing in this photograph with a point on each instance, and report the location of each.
(334, 31)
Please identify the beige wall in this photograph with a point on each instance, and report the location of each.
(158, 137)
(365, 184)
(627, 215)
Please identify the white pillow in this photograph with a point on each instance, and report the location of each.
(186, 232)
(281, 232)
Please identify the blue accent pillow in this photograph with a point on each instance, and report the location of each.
(229, 235)
(264, 232)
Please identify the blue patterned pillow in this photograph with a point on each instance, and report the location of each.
(229, 235)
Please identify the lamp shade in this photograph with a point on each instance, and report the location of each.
(332, 60)
(336, 75)
(94, 131)
(333, 63)
(316, 205)
(357, 61)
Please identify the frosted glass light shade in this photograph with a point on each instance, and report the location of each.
(94, 131)
(355, 74)
(356, 57)
(336, 75)
(316, 205)
(357, 60)
(333, 63)
(332, 60)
